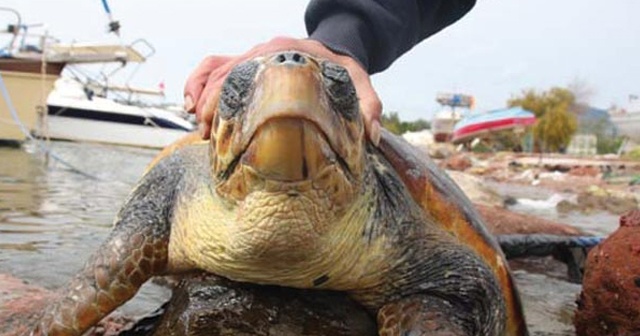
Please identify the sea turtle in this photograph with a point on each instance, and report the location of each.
(290, 192)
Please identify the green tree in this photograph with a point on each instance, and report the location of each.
(416, 125)
(608, 142)
(391, 121)
(556, 124)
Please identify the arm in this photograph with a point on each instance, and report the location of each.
(377, 32)
(134, 251)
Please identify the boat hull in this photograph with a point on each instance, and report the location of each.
(115, 133)
(75, 114)
(442, 125)
(442, 129)
(28, 92)
(479, 125)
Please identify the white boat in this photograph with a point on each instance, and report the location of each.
(28, 71)
(444, 121)
(76, 113)
(481, 124)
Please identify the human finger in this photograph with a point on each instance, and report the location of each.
(371, 110)
(198, 79)
(207, 104)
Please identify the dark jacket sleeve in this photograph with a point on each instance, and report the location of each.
(377, 32)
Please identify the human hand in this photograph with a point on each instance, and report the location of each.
(203, 86)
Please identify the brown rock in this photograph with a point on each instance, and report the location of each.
(500, 221)
(584, 171)
(459, 162)
(21, 304)
(598, 199)
(209, 305)
(610, 300)
(441, 150)
(612, 203)
(630, 219)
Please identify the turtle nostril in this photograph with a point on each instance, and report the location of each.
(289, 58)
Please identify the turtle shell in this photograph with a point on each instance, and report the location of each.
(437, 194)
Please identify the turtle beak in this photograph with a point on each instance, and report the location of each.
(288, 149)
(289, 131)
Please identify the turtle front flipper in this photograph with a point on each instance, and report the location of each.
(419, 315)
(438, 290)
(135, 250)
(110, 278)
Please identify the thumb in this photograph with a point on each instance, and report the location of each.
(371, 108)
(198, 79)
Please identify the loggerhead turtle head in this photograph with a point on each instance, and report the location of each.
(287, 119)
(288, 138)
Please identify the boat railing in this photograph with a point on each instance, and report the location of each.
(23, 42)
(13, 29)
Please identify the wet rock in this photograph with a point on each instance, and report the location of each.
(598, 199)
(458, 162)
(509, 201)
(21, 304)
(209, 305)
(610, 300)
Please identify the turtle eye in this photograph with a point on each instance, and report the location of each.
(340, 89)
(236, 89)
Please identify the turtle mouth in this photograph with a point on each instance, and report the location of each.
(289, 149)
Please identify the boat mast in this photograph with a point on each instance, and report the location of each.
(114, 25)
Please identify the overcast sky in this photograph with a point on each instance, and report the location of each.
(500, 48)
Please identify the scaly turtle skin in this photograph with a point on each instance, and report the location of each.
(289, 192)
